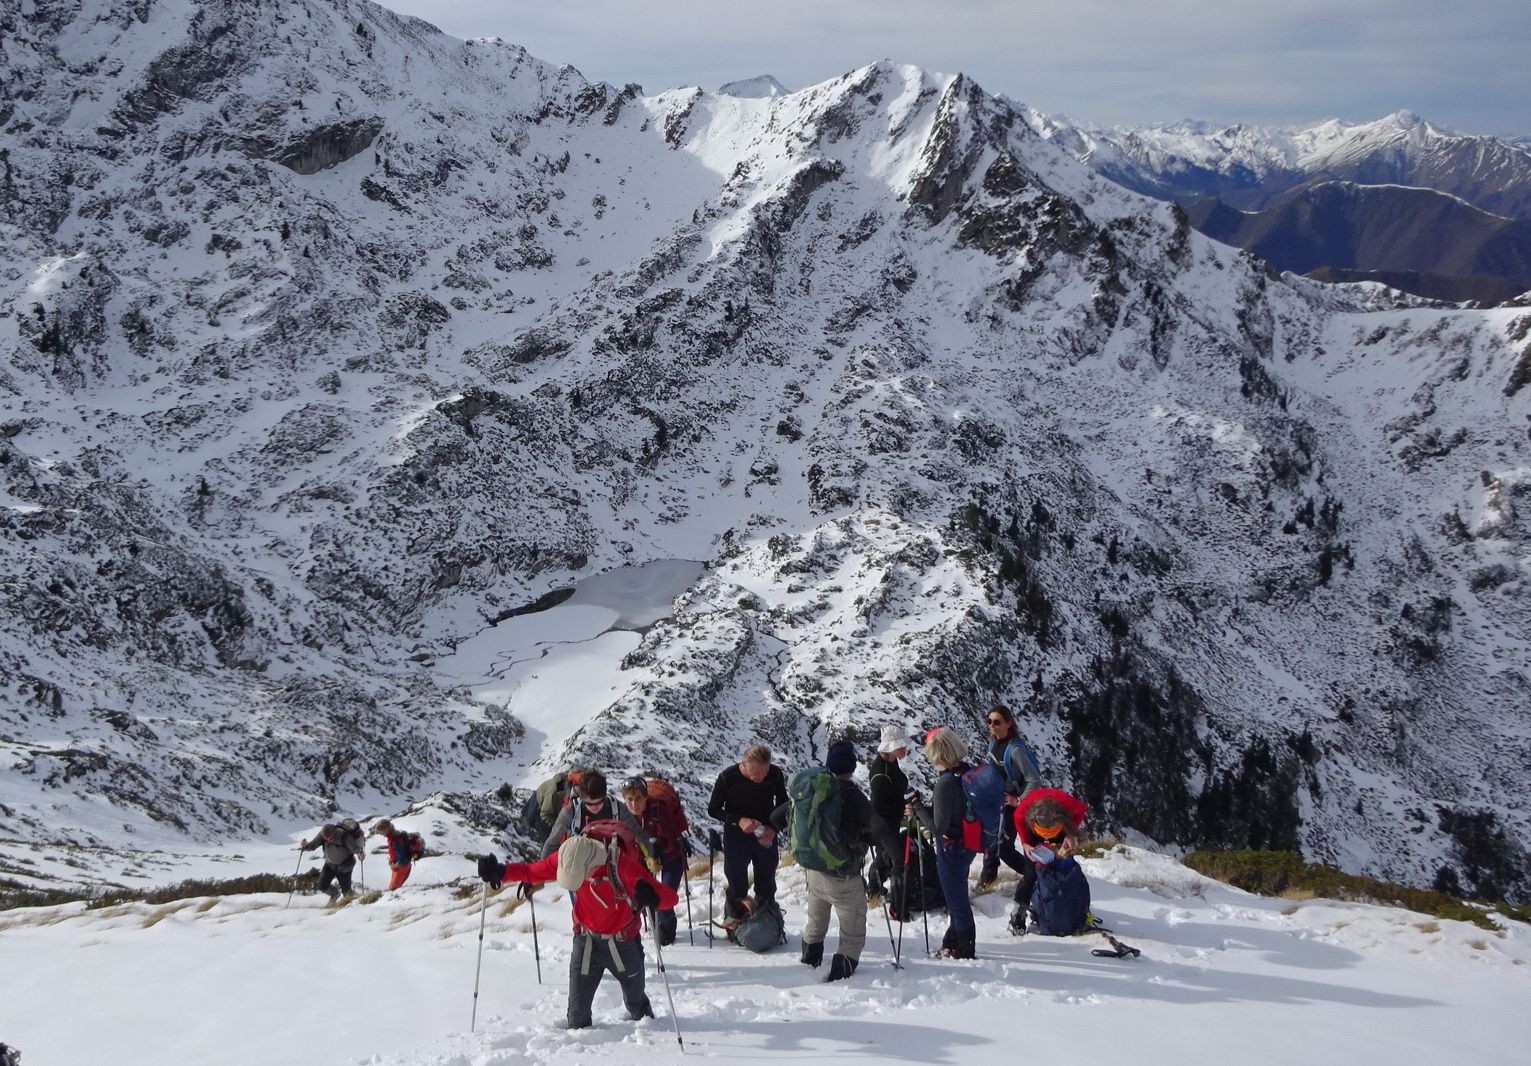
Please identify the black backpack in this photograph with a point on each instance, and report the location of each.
(764, 929)
(907, 895)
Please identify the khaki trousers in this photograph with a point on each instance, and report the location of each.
(848, 897)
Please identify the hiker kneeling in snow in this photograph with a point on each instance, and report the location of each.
(610, 886)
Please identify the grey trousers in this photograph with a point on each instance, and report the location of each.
(585, 979)
(848, 896)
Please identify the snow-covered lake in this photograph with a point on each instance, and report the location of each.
(557, 668)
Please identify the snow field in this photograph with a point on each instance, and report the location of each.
(1224, 977)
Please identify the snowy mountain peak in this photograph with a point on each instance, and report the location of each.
(750, 88)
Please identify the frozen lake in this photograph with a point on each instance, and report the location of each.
(558, 667)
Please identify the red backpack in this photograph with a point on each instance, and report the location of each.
(660, 789)
(618, 837)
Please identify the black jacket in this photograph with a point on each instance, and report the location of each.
(889, 785)
(943, 818)
(735, 796)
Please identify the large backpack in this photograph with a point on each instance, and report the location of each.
(818, 841)
(355, 836)
(1060, 902)
(764, 929)
(660, 789)
(983, 787)
(909, 893)
(1020, 757)
(617, 836)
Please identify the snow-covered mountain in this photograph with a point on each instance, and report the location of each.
(1247, 166)
(337, 350)
(753, 88)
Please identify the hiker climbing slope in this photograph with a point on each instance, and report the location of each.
(655, 804)
(742, 799)
(588, 802)
(403, 849)
(343, 842)
(831, 822)
(611, 887)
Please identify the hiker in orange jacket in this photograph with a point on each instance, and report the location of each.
(611, 886)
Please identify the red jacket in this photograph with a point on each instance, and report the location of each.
(1074, 808)
(597, 908)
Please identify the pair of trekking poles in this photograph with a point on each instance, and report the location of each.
(530, 895)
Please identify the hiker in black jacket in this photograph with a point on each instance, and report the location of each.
(743, 799)
(888, 786)
(942, 819)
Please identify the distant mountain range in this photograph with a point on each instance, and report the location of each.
(1427, 245)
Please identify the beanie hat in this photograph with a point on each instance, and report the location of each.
(576, 856)
(842, 758)
(892, 740)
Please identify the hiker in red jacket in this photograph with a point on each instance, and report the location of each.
(403, 849)
(603, 870)
(1047, 817)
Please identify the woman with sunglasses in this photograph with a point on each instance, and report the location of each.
(1015, 759)
(588, 803)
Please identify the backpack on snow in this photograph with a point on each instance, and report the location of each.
(983, 787)
(817, 839)
(1060, 903)
(908, 893)
(660, 789)
(764, 929)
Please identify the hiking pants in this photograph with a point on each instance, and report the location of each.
(670, 873)
(848, 896)
(592, 955)
(329, 873)
(398, 875)
(740, 852)
(1027, 883)
(952, 864)
(1005, 851)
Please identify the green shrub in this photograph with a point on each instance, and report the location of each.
(1277, 873)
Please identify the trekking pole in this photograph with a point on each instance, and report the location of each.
(888, 919)
(712, 861)
(690, 929)
(903, 885)
(294, 887)
(659, 960)
(362, 863)
(924, 911)
(483, 912)
(531, 897)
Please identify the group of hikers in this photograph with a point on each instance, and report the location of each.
(624, 861)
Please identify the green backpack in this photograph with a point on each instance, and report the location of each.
(817, 843)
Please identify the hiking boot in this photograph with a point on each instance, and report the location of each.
(840, 967)
(813, 954)
(1018, 922)
(966, 947)
(989, 873)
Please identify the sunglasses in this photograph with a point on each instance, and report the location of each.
(997, 721)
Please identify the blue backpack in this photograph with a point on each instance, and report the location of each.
(1060, 903)
(984, 788)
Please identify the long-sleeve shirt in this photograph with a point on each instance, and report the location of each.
(1015, 762)
(598, 906)
(342, 846)
(889, 785)
(943, 816)
(735, 796)
(570, 822)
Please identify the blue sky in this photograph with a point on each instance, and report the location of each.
(1461, 64)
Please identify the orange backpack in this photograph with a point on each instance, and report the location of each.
(660, 789)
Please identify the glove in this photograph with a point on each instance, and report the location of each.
(303, 845)
(715, 840)
(653, 864)
(686, 847)
(645, 896)
(491, 870)
(525, 889)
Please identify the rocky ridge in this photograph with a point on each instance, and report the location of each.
(328, 339)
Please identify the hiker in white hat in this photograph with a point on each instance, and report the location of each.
(887, 788)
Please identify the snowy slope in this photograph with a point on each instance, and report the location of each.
(333, 345)
(240, 980)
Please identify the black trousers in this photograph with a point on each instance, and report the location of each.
(741, 851)
(1005, 851)
(670, 874)
(887, 850)
(591, 958)
(329, 873)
